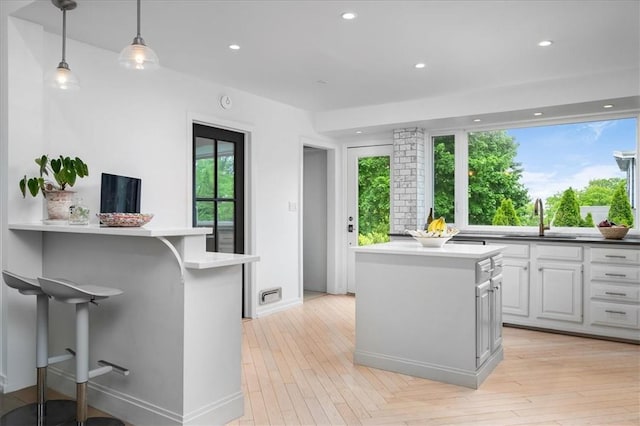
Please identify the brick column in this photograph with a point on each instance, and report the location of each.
(407, 179)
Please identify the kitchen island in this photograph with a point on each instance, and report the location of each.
(176, 327)
(429, 312)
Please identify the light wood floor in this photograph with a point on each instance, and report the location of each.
(298, 369)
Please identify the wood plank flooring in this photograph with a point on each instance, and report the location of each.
(298, 370)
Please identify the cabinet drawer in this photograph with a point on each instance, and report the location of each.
(615, 292)
(616, 315)
(619, 256)
(615, 273)
(483, 270)
(556, 252)
(516, 250)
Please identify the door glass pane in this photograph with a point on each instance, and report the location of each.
(444, 178)
(204, 168)
(226, 226)
(204, 213)
(373, 200)
(225, 169)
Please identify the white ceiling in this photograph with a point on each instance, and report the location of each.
(287, 47)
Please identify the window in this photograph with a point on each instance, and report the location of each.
(444, 177)
(576, 170)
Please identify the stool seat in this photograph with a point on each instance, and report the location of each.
(69, 292)
(28, 286)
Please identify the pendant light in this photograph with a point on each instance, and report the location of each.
(137, 55)
(62, 78)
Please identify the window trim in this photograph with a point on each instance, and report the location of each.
(462, 180)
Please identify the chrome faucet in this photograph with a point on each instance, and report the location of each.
(538, 210)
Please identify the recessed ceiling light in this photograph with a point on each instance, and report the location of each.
(358, 131)
(349, 16)
(420, 65)
(607, 106)
(234, 46)
(321, 82)
(476, 120)
(537, 114)
(545, 43)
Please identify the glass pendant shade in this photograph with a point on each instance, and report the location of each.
(138, 56)
(63, 79)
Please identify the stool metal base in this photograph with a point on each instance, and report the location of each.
(97, 421)
(57, 413)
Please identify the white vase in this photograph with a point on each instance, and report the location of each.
(58, 203)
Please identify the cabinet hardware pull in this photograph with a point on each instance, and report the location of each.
(612, 293)
(616, 256)
(615, 312)
(615, 275)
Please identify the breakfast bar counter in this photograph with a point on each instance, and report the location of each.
(176, 327)
(429, 312)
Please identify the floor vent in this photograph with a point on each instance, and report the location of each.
(270, 295)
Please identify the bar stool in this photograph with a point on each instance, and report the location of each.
(81, 295)
(42, 412)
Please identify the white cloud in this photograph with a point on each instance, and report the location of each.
(597, 127)
(543, 185)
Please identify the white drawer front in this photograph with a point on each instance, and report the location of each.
(616, 315)
(483, 270)
(615, 292)
(610, 255)
(556, 252)
(615, 273)
(516, 250)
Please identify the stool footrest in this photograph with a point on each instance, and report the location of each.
(64, 357)
(118, 369)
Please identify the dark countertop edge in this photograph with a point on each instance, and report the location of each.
(632, 241)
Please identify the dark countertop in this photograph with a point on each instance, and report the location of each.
(534, 237)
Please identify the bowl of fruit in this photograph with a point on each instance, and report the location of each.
(611, 231)
(436, 234)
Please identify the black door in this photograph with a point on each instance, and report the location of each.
(218, 186)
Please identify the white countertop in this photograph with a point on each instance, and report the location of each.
(215, 260)
(413, 248)
(144, 231)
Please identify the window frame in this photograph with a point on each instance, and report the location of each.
(462, 180)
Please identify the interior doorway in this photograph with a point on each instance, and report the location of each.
(314, 219)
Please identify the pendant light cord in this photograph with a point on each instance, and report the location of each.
(64, 35)
(139, 19)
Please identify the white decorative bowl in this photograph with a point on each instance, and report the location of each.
(124, 219)
(432, 241)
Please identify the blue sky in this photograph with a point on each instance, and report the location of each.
(556, 157)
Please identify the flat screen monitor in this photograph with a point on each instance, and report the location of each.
(120, 194)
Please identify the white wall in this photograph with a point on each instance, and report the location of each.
(137, 124)
(315, 220)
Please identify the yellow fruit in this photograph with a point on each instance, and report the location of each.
(438, 225)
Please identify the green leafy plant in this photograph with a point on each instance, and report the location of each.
(506, 214)
(568, 213)
(620, 210)
(63, 170)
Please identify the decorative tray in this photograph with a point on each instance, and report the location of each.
(124, 219)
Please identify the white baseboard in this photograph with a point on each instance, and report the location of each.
(142, 413)
(470, 379)
(265, 310)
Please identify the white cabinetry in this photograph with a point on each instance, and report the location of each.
(615, 289)
(488, 309)
(515, 283)
(559, 291)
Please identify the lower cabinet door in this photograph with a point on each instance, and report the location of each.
(483, 322)
(515, 287)
(559, 291)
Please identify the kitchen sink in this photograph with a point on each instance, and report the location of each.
(551, 236)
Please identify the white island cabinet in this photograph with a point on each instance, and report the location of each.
(429, 312)
(176, 327)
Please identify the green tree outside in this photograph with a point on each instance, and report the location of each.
(568, 213)
(374, 200)
(620, 211)
(493, 175)
(506, 214)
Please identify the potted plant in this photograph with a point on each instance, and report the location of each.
(64, 171)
